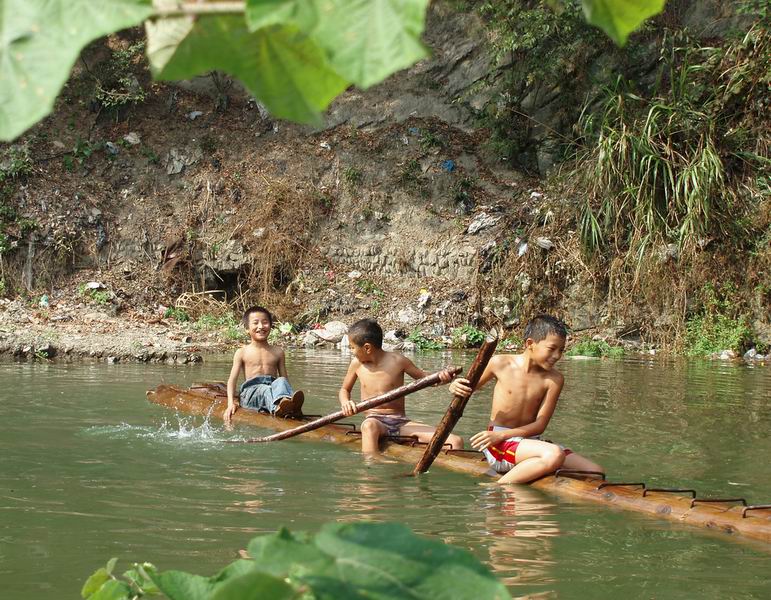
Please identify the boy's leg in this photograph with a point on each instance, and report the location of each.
(287, 403)
(534, 459)
(371, 432)
(424, 433)
(580, 463)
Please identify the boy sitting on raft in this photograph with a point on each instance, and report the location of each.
(266, 387)
(524, 400)
(380, 371)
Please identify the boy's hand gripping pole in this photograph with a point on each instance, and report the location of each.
(458, 403)
(399, 392)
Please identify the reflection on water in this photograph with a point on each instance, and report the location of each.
(89, 469)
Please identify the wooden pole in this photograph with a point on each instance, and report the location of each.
(363, 405)
(458, 403)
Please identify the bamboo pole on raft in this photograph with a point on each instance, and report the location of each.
(399, 392)
(458, 403)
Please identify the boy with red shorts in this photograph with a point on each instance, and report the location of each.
(524, 400)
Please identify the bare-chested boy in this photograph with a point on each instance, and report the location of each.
(378, 372)
(524, 400)
(266, 387)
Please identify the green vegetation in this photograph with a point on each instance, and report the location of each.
(429, 140)
(178, 314)
(116, 85)
(227, 324)
(467, 336)
(718, 326)
(98, 296)
(15, 162)
(344, 560)
(598, 348)
(367, 286)
(352, 176)
(684, 165)
(422, 342)
(280, 330)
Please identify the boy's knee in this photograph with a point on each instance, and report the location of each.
(554, 457)
(455, 441)
(370, 427)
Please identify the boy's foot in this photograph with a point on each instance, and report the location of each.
(291, 407)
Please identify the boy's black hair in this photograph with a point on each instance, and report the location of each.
(366, 330)
(541, 326)
(256, 309)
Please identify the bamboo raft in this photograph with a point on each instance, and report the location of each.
(726, 515)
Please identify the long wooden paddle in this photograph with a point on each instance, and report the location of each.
(458, 403)
(363, 405)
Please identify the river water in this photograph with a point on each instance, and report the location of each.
(89, 470)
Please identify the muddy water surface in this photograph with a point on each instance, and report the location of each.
(89, 470)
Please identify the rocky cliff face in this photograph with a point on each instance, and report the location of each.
(398, 195)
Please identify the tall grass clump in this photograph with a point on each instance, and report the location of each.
(719, 326)
(685, 165)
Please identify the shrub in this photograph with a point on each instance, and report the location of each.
(178, 314)
(422, 342)
(467, 336)
(596, 348)
(718, 326)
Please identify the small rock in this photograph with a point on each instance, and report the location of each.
(132, 138)
(325, 145)
(480, 222)
(95, 285)
(194, 114)
(111, 148)
(111, 360)
(391, 337)
(751, 354)
(424, 299)
(544, 243)
(535, 195)
(354, 274)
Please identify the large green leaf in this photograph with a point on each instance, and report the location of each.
(40, 40)
(281, 553)
(255, 586)
(279, 65)
(388, 561)
(178, 585)
(619, 18)
(365, 40)
(112, 590)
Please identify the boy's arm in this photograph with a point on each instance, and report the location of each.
(485, 439)
(282, 364)
(461, 387)
(235, 370)
(417, 373)
(344, 395)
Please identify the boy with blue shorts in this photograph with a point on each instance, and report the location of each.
(266, 387)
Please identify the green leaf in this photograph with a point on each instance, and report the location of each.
(365, 40)
(111, 565)
(281, 553)
(112, 590)
(388, 561)
(40, 40)
(94, 582)
(261, 13)
(178, 585)
(619, 18)
(255, 586)
(368, 40)
(280, 66)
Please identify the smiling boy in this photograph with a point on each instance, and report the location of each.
(378, 372)
(524, 400)
(266, 387)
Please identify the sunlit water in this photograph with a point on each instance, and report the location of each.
(89, 469)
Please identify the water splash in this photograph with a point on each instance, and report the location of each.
(188, 430)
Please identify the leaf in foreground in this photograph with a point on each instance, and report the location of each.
(279, 65)
(619, 18)
(40, 40)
